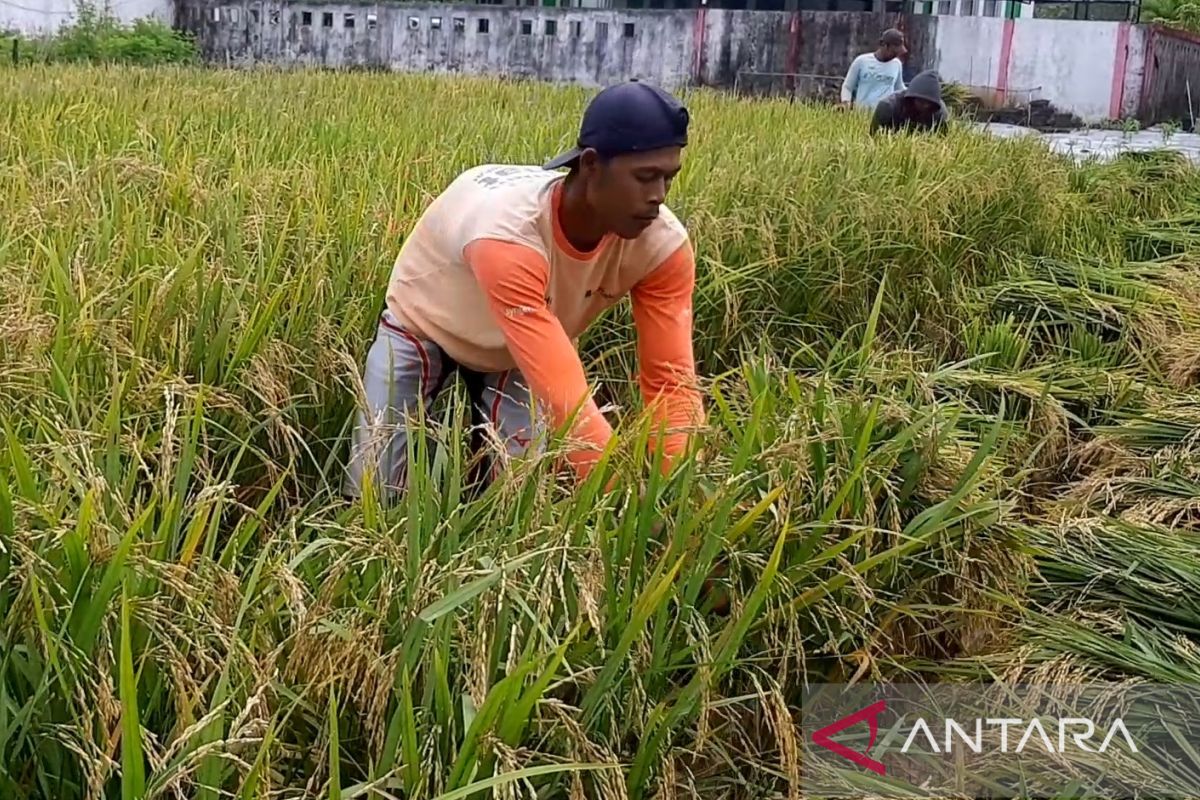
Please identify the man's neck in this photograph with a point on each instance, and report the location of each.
(881, 56)
(576, 219)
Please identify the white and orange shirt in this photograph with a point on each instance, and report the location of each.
(488, 274)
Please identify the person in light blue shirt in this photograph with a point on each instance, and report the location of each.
(874, 76)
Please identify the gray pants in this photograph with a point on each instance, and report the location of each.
(403, 372)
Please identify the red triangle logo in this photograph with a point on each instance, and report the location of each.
(871, 715)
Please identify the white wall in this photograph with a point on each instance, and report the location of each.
(1068, 62)
(32, 17)
(968, 50)
(1071, 63)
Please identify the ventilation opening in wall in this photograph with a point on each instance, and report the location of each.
(526, 27)
(460, 24)
(435, 23)
(273, 16)
(216, 15)
(601, 30)
(327, 19)
(348, 21)
(551, 27)
(482, 26)
(306, 19)
(414, 23)
(576, 29)
(968, 8)
(255, 16)
(372, 21)
(628, 30)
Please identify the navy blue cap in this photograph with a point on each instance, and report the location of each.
(630, 117)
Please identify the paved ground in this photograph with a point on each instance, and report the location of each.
(1104, 145)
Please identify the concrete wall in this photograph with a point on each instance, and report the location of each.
(1135, 68)
(1091, 69)
(968, 50)
(35, 17)
(590, 47)
(1056, 60)
(806, 51)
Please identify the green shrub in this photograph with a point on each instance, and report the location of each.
(96, 36)
(1183, 14)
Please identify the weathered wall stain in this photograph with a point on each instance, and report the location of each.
(589, 47)
(765, 52)
(586, 46)
(802, 53)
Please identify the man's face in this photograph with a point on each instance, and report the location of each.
(920, 108)
(626, 191)
(895, 50)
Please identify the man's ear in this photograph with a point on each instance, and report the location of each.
(589, 163)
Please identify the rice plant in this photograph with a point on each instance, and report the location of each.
(924, 362)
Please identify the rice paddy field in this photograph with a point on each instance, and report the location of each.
(953, 435)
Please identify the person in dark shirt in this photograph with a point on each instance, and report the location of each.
(918, 107)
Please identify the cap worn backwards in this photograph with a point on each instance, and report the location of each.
(630, 117)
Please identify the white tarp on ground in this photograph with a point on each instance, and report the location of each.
(1104, 145)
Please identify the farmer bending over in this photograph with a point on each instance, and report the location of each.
(919, 107)
(511, 263)
(873, 76)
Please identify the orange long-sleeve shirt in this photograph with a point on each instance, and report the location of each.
(488, 274)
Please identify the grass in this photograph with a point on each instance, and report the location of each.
(931, 367)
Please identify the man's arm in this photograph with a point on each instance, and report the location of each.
(514, 278)
(850, 83)
(898, 84)
(662, 313)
